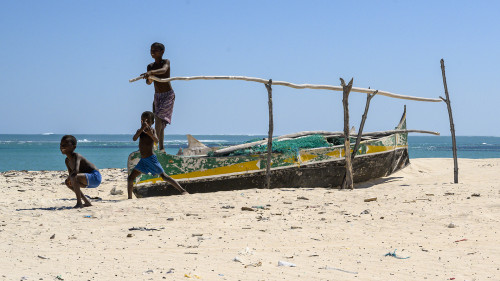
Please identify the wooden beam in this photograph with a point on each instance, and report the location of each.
(452, 126)
(362, 125)
(270, 134)
(360, 132)
(288, 84)
(349, 183)
(390, 132)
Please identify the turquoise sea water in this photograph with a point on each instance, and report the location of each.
(41, 152)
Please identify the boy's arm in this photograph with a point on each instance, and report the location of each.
(67, 166)
(151, 132)
(77, 164)
(68, 179)
(137, 134)
(141, 129)
(148, 81)
(161, 70)
(154, 136)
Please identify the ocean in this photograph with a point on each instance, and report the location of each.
(41, 152)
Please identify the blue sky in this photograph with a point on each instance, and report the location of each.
(65, 65)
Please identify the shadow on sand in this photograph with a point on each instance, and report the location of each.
(370, 183)
(47, 209)
(93, 199)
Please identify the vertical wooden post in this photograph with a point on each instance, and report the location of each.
(360, 132)
(347, 144)
(270, 134)
(362, 125)
(452, 126)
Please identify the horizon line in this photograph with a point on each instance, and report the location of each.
(196, 134)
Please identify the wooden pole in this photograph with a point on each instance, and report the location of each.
(390, 132)
(360, 132)
(452, 126)
(347, 144)
(287, 84)
(362, 125)
(270, 135)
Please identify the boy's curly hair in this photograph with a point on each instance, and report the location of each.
(150, 115)
(158, 45)
(70, 138)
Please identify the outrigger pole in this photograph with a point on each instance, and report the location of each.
(270, 133)
(346, 89)
(288, 84)
(349, 178)
(360, 132)
(452, 126)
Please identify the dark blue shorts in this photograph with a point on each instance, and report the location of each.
(93, 179)
(149, 165)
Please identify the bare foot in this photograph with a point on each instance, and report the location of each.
(87, 205)
(78, 206)
(184, 193)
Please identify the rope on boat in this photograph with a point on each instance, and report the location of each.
(288, 84)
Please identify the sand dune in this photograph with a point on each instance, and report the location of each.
(446, 230)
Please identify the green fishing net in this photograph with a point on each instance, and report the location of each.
(290, 146)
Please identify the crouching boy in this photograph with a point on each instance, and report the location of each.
(82, 173)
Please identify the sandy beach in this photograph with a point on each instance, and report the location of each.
(434, 229)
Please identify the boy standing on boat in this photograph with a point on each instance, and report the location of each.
(163, 104)
(82, 173)
(149, 162)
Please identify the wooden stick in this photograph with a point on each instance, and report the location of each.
(360, 132)
(347, 144)
(452, 126)
(270, 135)
(230, 149)
(362, 125)
(306, 133)
(288, 84)
(390, 132)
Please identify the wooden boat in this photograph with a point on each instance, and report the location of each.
(378, 155)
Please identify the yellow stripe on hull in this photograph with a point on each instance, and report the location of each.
(336, 153)
(236, 168)
(306, 157)
(377, 148)
(369, 149)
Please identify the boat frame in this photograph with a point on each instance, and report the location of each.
(308, 168)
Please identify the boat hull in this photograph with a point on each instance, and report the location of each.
(317, 174)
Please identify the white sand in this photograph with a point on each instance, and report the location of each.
(197, 237)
